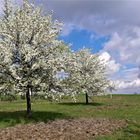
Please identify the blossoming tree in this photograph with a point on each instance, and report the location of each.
(30, 54)
(87, 74)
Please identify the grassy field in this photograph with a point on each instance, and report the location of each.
(125, 107)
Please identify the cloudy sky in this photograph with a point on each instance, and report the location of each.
(108, 27)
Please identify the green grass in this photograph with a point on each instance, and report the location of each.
(125, 107)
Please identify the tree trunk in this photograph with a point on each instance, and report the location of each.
(86, 98)
(28, 101)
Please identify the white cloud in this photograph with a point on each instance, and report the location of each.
(112, 65)
(139, 73)
(105, 56)
(102, 16)
(1, 6)
(127, 84)
(127, 81)
(127, 74)
(127, 87)
(125, 47)
(67, 29)
(95, 37)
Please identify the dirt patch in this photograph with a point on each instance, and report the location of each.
(72, 129)
(113, 107)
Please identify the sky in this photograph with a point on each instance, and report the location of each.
(108, 27)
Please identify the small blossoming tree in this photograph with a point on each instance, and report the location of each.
(86, 74)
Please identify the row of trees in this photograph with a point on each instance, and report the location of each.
(31, 57)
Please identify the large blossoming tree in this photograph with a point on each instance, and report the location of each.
(30, 54)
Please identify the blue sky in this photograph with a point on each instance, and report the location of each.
(109, 27)
(80, 38)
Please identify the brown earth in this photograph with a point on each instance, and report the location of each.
(72, 129)
(112, 107)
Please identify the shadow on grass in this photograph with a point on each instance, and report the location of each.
(81, 103)
(19, 117)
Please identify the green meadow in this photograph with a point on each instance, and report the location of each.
(125, 107)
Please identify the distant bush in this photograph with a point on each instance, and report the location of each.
(22, 96)
(8, 97)
(38, 96)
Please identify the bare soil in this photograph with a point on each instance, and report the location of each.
(72, 129)
(113, 107)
